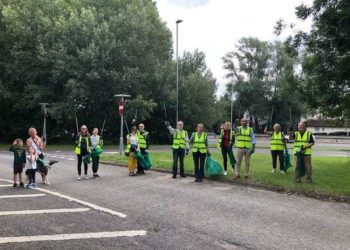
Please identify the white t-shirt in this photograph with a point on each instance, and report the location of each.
(32, 160)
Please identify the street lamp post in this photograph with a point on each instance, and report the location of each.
(44, 111)
(177, 69)
(121, 112)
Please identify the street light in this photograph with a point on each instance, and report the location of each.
(121, 113)
(177, 69)
(44, 111)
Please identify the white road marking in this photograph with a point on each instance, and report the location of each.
(59, 237)
(44, 211)
(96, 207)
(1, 186)
(20, 196)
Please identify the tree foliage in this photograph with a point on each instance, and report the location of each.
(77, 54)
(326, 60)
(263, 81)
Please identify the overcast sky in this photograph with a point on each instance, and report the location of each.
(214, 26)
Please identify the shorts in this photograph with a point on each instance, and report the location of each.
(17, 168)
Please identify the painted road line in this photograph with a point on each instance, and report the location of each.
(20, 196)
(96, 207)
(44, 211)
(9, 185)
(78, 236)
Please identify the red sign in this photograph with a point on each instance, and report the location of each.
(121, 108)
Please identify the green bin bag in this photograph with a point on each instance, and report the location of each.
(300, 163)
(87, 158)
(287, 161)
(212, 167)
(232, 157)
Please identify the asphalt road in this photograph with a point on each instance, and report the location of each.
(161, 213)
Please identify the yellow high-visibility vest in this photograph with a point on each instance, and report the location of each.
(302, 141)
(199, 143)
(244, 139)
(277, 141)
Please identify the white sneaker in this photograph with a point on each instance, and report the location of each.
(79, 177)
(86, 177)
(225, 173)
(273, 171)
(282, 172)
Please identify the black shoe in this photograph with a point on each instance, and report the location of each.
(21, 184)
(14, 185)
(183, 176)
(174, 176)
(197, 180)
(142, 172)
(200, 180)
(96, 175)
(52, 162)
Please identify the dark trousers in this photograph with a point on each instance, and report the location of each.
(199, 160)
(178, 154)
(80, 161)
(225, 151)
(31, 175)
(307, 166)
(139, 166)
(95, 162)
(274, 154)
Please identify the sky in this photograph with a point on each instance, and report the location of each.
(215, 26)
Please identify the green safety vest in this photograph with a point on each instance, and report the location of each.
(232, 133)
(128, 141)
(179, 140)
(244, 139)
(301, 141)
(77, 148)
(142, 139)
(199, 143)
(277, 141)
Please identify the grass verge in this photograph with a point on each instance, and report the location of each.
(331, 175)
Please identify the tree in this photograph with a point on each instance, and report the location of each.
(326, 61)
(263, 80)
(77, 55)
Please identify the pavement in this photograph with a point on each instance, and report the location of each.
(156, 212)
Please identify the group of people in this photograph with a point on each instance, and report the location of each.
(88, 147)
(243, 138)
(33, 154)
(137, 142)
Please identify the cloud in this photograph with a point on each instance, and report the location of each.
(189, 3)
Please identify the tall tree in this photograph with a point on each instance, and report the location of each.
(263, 80)
(326, 63)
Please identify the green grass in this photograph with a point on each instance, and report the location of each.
(331, 175)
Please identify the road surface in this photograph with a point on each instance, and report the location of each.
(156, 212)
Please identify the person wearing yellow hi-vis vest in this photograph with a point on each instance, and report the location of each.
(278, 146)
(143, 137)
(199, 140)
(226, 141)
(180, 146)
(245, 143)
(133, 145)
(303, 142)
(83, 149)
